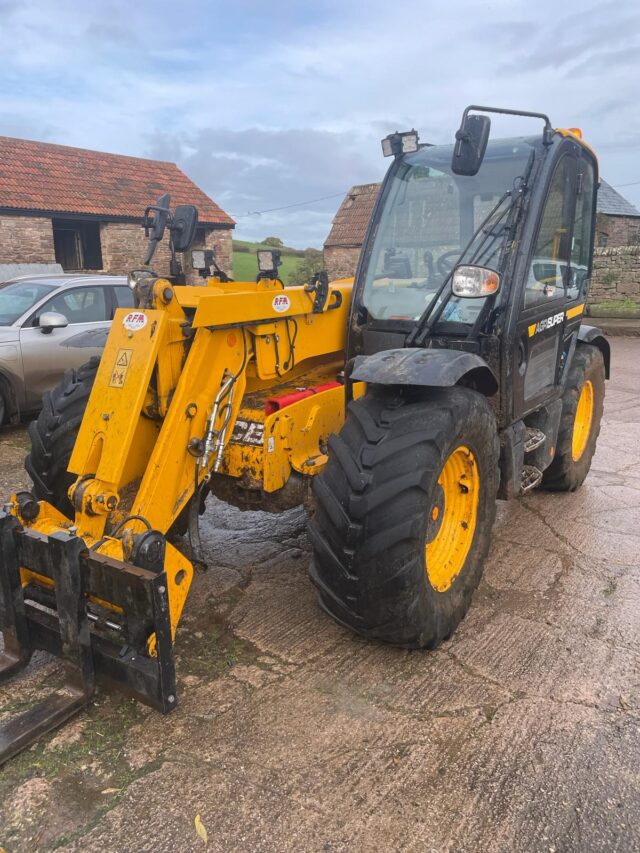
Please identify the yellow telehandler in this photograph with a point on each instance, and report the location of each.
(453, 371)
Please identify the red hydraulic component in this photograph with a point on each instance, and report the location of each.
(274, 404)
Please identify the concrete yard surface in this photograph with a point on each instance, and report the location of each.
(521, 733)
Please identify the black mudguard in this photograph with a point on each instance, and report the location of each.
(595, 336)
(438, 368)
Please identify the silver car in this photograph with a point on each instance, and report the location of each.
(49, 323)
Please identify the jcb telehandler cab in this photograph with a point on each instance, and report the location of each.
(481, 381)
(466, 373)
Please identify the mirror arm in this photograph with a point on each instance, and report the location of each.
(548, 129)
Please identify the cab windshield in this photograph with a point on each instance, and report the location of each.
(17, 297)
(429, 215)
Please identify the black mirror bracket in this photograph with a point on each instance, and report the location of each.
(473, 135)
(182, 225)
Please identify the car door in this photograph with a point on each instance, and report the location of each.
(46, 355)
(540, 324)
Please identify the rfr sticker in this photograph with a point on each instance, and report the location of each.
(134, 321)
(281, 303)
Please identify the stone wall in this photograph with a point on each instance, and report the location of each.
(124, 246)
(341, 261)
(26, 240)
(617, 230)
(29, 239)
(616, 274)
(218, 239)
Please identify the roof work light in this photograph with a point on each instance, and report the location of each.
(400, 143)
(268, 262)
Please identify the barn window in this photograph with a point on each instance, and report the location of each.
(77, 244)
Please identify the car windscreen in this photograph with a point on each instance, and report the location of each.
(17, 297)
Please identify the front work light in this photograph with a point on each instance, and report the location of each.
(202, 260)
(400, 143)
(269, 261)
(197, 259)
(471, 282)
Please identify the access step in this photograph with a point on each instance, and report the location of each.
(531, 477)
(534, 439)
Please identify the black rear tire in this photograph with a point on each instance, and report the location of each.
(54, 434)
(566, 473)
(374, 501)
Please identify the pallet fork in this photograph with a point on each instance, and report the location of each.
(62, 614)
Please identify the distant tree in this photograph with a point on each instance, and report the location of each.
(276, 242)
(306, 267)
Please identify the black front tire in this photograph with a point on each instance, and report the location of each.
(566, 473)
(374, 499)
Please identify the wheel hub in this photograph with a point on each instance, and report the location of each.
(455, 507)
(582, 422)
(436, 514)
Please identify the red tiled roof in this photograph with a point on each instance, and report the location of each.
(60, 179)
(350, 222)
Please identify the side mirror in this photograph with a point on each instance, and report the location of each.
(183, 227)
(51, 320)
(471, 144)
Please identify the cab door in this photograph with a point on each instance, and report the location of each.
(539, 341)
(582, 237)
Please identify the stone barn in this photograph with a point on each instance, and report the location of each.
(618, 221)
(83, 209)
(348, 230)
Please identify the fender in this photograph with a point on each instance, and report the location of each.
(439, 368)
(595, 336)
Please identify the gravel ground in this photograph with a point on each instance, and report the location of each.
(520, 733)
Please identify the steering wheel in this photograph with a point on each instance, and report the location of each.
(445, 262)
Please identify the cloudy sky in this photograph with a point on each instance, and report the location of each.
(266, 105)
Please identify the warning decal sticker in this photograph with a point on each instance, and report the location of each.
(120, 368)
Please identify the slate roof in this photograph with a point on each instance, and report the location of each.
(611, 203)
(350, 222)
(60, 179)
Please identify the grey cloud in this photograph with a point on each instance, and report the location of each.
(267, 106)
(256, 169)
(577, 36)
(602, 59)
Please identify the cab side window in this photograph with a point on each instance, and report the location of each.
(548, 270)
(582, 223)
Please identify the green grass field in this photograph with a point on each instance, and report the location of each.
(245, 264)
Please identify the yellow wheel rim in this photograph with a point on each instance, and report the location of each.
(582, 423)
(451, 521)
